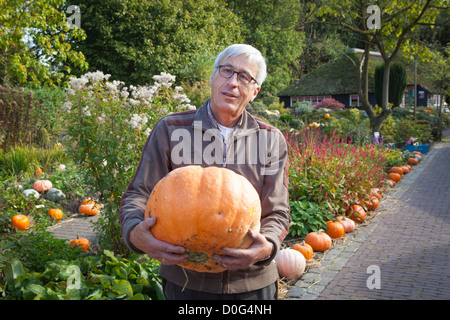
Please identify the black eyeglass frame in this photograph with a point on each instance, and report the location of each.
(237, 72)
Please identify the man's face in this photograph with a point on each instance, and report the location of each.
(228, 96)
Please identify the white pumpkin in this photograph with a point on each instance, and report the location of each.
(31, 193)
(291, 264)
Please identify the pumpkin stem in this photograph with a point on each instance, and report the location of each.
(197, 257)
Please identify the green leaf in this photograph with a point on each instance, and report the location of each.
(123, 287)
(13, 269)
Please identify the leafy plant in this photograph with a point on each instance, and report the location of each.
(307, 216)
(86, 277)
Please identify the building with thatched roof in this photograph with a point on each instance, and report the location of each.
(339, 80)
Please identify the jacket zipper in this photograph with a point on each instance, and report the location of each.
(225, 277)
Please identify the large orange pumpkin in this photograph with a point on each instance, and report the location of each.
(204, 210)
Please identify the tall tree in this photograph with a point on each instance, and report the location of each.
(35, 42)
(135, 39)
(386, 25)
(270, 27)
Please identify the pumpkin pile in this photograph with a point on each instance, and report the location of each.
(89, 207)
(204, 210)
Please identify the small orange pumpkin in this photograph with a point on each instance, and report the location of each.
(405, 169)
(398, 170)
(327, 116)
(89, 209)
(82, 243)
(20, 221)
(335, 229)
(357, 213)
(305, 249)
(395, 177)
(373, 203)
(55, 213)
(42, 185)
(349, 224)
(390, 182)
(89, 201)
(319, 240)
(376, 192)
(413, 161)
(39, 171)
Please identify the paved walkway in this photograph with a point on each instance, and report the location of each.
(402, 253)
(77, 226)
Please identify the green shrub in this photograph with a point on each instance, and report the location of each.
(308, 216)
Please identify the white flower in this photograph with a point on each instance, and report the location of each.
(164, 79)
(101, 119)
(181, 97)
(147, 131)
(190, 107)
(67, 106)
(86, 111)
(78, 83)
(124, 93)
(130, 146)
(62, 167)
(96, 76)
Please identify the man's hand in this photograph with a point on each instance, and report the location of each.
(234, 259)
(142, 238)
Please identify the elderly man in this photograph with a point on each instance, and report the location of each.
(243, 144)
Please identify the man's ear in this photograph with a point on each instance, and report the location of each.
(255, 93)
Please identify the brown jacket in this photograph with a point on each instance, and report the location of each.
(255, 150)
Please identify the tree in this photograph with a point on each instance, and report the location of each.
(134, 40)
(397, 83)
(35, 42)
(390, 33)
(270, 26)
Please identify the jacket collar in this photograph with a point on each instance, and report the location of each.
(246, 122)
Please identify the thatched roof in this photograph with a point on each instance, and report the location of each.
(339, 76)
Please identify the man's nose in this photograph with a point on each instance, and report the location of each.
(233, 80)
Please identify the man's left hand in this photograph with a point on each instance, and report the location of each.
(234, 259)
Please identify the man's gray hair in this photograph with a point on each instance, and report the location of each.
(253, 54)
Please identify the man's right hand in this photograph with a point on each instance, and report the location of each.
(142, 238)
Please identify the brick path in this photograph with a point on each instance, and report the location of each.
(78, 225)
(408, 240)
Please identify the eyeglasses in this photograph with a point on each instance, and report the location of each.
(243, 77)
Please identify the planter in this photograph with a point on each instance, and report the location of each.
(423, 148)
